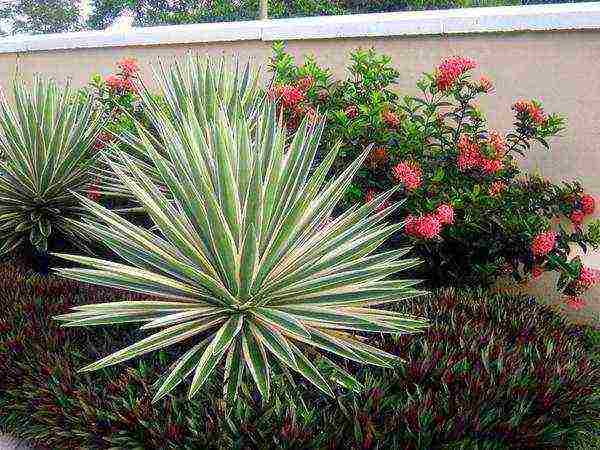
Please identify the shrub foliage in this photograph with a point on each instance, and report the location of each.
(473, 215)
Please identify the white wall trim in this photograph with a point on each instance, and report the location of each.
(567, 16)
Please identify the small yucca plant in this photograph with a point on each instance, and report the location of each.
(246, 262)
(47, 151)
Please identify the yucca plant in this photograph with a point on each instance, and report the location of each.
(245, 264)
(207, 83)
(46, 154)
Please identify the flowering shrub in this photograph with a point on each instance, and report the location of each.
(516, 375)
(118, 89)
(471, 212)
(117, 94)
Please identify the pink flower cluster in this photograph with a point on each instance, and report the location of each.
(470, 156)
(445, 214)
(117, 83)
(498, 143)
(122, 82)
(305, 83)
(534, 111)
(577, 217)
(430, 225)
(587, 206)
(588, 277)
(390, 118)
(491, 166)
(408, 173)
(128, 66)
(536, 271)
(575, 303)
(351, 111)
(543, 243)
(486, 85)
(450, 69)
(497, 188)
(93, 192)
(289, 96)
(103, 140)
(291, 99)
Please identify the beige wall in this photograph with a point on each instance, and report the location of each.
(560, 68)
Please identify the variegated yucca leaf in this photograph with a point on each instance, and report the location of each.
(245, 266)
(194, 85)
(47, 137)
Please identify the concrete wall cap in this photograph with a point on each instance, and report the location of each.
(567, 16)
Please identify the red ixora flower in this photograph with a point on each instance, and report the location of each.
(587, 277)
(485, 84)
(498, 143)
(390, 118)
(128, 85)
(521, 106)
(497, 188)
(534, 111)
(128, 66)
(429, 226)
(491, 166)
(289, 96)
(323, 95)
(305, 83)
(408, 173)
(575, 303)
(93, 192)
(588, 204)
(577, 217)
(543, 243)
(469, 153)
(119, 83)
(370, 195)
(114, 82)
(537, 271)
(311, 113)
(378, 156)
(445, 214)
(351, 111)
(102, 140)
(450, 69)
(424, 227)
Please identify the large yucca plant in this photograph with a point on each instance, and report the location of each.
(245, 265)
(47, 137)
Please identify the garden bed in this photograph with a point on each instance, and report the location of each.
(249, 244)
(492, 372)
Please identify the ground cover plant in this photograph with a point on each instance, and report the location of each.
(492, 372)
(473, 215)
